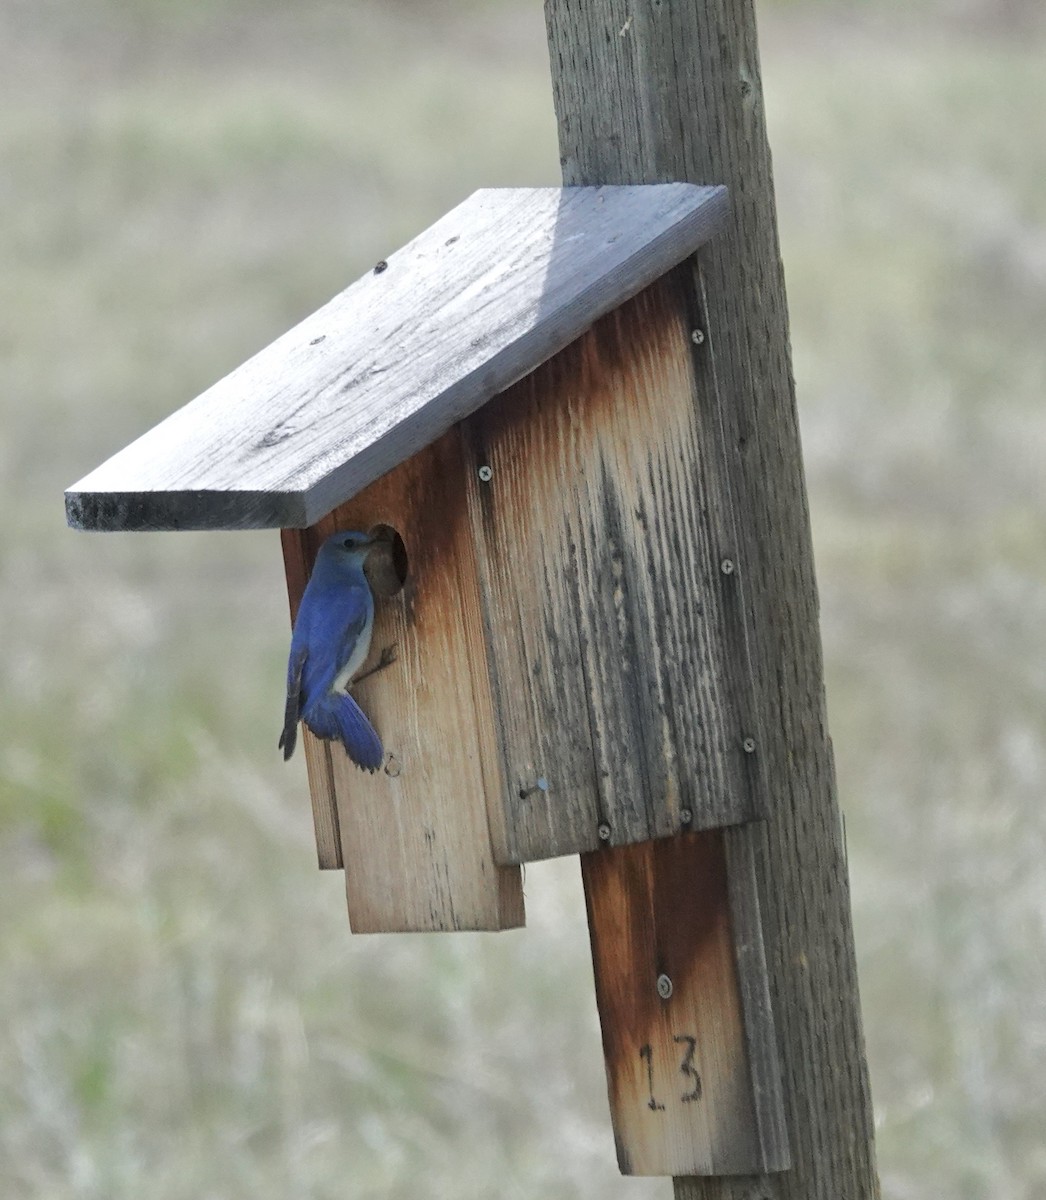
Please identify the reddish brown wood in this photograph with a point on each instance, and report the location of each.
(683, 1092)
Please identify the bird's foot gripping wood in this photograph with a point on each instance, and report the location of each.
(388, 657)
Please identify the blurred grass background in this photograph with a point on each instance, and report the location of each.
(183, 1013)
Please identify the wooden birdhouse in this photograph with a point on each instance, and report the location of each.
(524, 401)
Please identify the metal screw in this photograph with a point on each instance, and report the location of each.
(697, 336)
(380, 266)
(664, 986)
(392, 767)
(748, 745)
(604, 832)
(686, 815)
(728, 566)
(485, 473)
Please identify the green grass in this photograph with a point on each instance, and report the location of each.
(184, 1013)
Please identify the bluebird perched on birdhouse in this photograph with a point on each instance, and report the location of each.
(330, 643)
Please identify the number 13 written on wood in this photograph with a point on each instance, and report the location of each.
(686, 1069)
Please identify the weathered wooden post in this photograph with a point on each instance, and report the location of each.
(653, 90)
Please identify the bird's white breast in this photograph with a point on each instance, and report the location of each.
(356, 659)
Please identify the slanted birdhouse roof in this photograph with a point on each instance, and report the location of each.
(498, 286)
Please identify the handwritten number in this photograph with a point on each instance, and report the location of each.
(647, 1052)
(686, 1067)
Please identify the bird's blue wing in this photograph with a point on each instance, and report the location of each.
(331, 620)
(295, 666)
(336, 625)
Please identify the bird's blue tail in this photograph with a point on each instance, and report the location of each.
(338, 717)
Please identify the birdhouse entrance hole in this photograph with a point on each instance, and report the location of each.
(387, 565)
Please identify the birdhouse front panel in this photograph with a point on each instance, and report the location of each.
(618, 663)
(414, 836)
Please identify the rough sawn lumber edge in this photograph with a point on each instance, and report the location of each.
(474, 303)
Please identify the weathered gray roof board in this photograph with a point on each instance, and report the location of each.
(492, 290)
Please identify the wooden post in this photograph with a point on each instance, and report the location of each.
(649, 91)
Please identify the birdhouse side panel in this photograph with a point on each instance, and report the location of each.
(602, 525)
(415, 837)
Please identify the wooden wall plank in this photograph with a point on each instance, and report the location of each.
(415, 836)
(618, 660)
(494, 288)
(679, 1069)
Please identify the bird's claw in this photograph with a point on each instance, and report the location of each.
(386, 659)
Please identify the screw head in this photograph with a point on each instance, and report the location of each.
(728, 566)
(393, 767)
(664, 986)
(485, 473)
(686, 815)
(604, 832)
(697, 336)
(748, 745)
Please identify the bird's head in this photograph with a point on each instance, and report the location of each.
(348, 548)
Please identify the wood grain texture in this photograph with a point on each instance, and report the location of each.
(764, 1064)
(629, 112)
(616, 641)
(683, 1092)
(494, 288)
(415, 838)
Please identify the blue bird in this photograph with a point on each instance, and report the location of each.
(330, 642)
